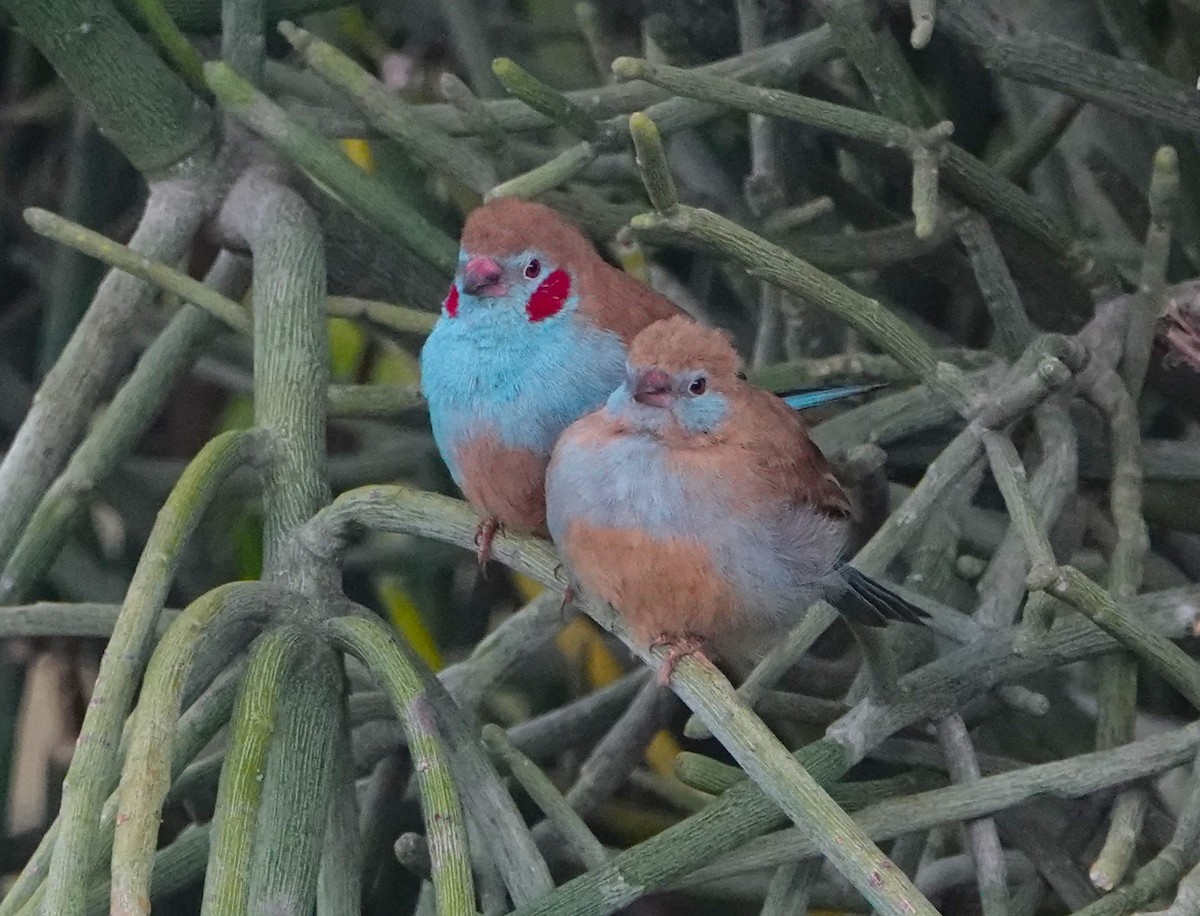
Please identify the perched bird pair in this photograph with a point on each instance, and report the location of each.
(569, 399)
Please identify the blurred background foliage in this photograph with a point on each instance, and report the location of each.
(1079, 135)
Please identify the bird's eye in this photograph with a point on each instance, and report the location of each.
(742, 376)
(698, 385)
(533, 268)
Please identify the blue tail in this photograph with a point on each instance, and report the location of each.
(812, 397)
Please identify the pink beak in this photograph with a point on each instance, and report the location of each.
(481, 277)
(653, 388)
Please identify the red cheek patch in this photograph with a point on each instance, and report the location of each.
(549, 297)
(451, 303)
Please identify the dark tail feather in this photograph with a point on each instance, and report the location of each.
(865, 601)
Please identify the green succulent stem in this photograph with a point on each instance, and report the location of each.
(445, 823)
(369, 197)
(94, 768)
(146, 776)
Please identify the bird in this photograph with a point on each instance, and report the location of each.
(532, 335)
(700, 508)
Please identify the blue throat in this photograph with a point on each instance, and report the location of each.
(492, 370)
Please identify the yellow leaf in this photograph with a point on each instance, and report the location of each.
(405, 617)
(359, 152)
(347, 347)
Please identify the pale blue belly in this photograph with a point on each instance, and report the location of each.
(776, 557)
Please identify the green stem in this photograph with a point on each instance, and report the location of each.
(296, 788)
(243, 37)
(147, 772)
(793, 788)
(138, 265)
(110, 440)
(769, 262)
(464, 21)
(549, 175)
(523, 85)
(1150, 303)
(384, 316)
(864, 35)
(1129, 87)
(703, 688)
(339, 886)
(142, 106)
(1158, 652)
(652, 161)
(587, 850)
(962, 172)
(369, 197)
(68, 394)
(744, 812)
(176, 867)
(175, 46)
(396, 119)
(374, 401)
(1117, 694)
(291, 362)
(1158, 875)
(196, 728)
(273, 661)
(1072, 777)
(94, 767)
(1012, 325)
(1043, 133)
(445, 824)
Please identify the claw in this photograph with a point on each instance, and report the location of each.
(679, 646)
(484, 534)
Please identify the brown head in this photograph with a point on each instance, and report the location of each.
(681, 379)
(508, 241)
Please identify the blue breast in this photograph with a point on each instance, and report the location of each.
(492, 370)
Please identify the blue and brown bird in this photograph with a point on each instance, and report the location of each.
(699, 507)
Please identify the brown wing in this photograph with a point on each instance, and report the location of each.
(785, 457)
(617, 302)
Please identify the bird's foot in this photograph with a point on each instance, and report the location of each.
(679, 646)
(568, 594)
(484, 533)
(567, 598)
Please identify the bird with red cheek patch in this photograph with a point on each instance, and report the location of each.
(698, 506)
(533, 334)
